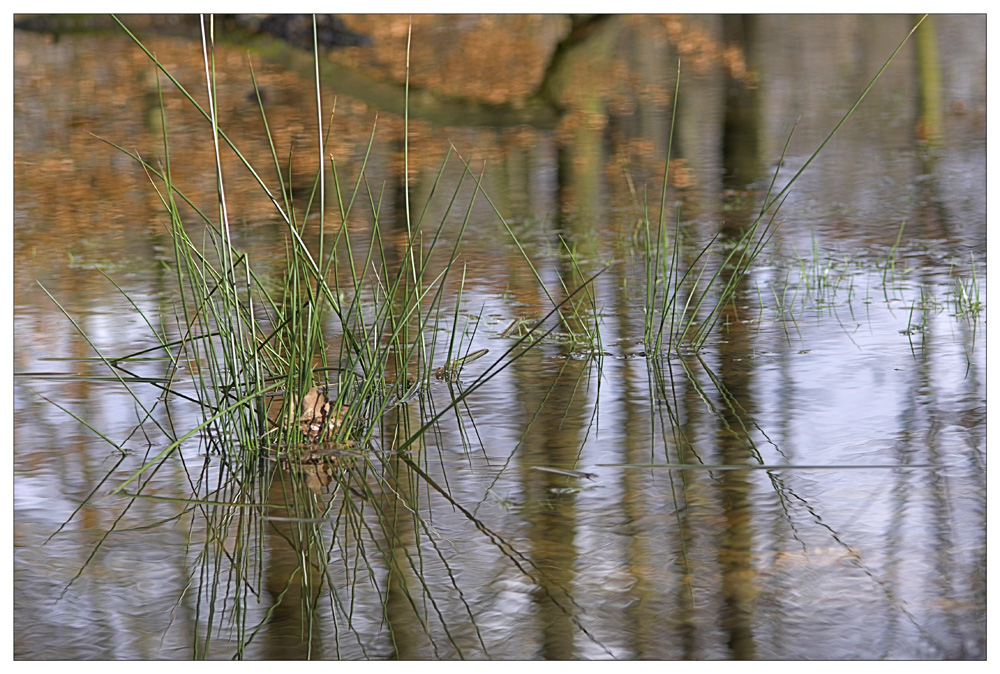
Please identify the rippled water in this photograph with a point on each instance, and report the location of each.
(809, 484)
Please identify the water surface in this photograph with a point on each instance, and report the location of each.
(809, 483)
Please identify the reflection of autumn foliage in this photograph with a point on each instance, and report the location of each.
(580, 120)
(701, 51)
(493, 58)
(70, 182)
(503, 58)
(507, 59)
(63, 166)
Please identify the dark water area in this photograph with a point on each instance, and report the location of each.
(807, 482)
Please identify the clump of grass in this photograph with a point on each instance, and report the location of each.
(683, 303)
(823, 275)
(966, 297)
(298, 382)
(891, 270)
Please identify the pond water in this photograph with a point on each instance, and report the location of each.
(807, 481)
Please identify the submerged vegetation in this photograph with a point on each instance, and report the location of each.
(313, 389)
